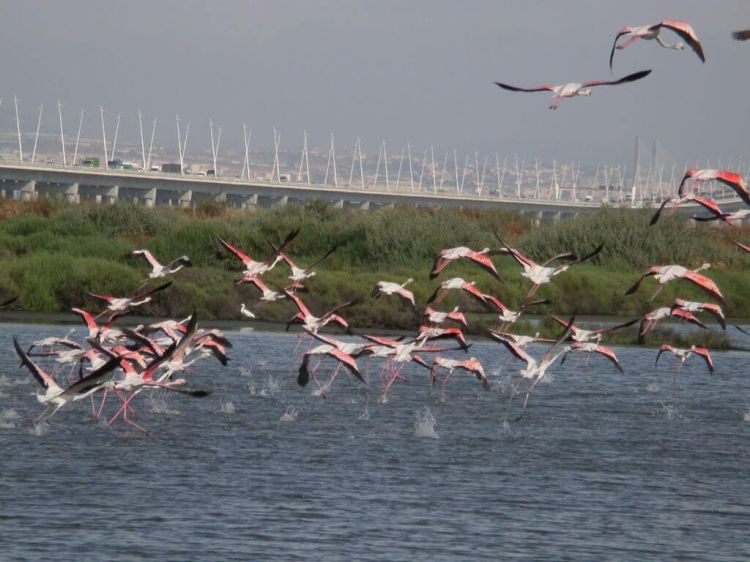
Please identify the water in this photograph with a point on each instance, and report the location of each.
(602, 466)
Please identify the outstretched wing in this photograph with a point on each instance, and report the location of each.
(659, 211)
(614, 46)
(247, 260)
(685, 31)
(703, 352)
(743, 35)
(629, 78)
(517, 89)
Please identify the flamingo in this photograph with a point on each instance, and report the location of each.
(313, 323)
(390, 288)
(471, 365)
(123, 304)
(735, 181)
(268, 294)
(519, 340)
(298, 274)
(535, 370)
(456, 283)
(158, 270)
(683, 355)
(541, 274)
(594, 347)
(711, 308)
(575, 89)
(666, 273)
(579, 335)
(651, 32)
(332, 351)
(505, 314)
(704, 202)
(427, 333)
(449, 255)
(727, 218)
(56, 396)
(650, 319)
(102, 333)
(256, 268)
(436, 317)
(245, 312)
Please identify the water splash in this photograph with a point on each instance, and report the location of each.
(365, 415)
(653, 388)
(290, 414)
(9, 414)
(227, 407)
(246, 372)
(669, 411)
(507, 430)
(424, 424)
(160, 406)
(746, 416)
(39, 428)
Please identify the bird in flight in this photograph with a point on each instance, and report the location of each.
(571, 89)
(652, 32)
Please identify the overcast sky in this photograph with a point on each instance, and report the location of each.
(419, 71)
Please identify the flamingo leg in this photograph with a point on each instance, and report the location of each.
(658, 290)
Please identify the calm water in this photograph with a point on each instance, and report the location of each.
(602, 466)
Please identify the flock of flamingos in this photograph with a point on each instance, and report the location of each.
(124, 362)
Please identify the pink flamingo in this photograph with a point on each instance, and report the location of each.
(472, 366)
(683, 355)
(666, 273)
(449, 255)
(651, 32)
(594, 347)
(436, 317)
(711, 308)
(579, 335)
(735, 181)
(704, 202)
(650, 319)
(575, 89)
(456, 283)
(390, 288)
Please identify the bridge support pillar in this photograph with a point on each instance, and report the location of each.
(71, 193)
(149, 198)
(186, 198)
(338, 204)
(221, 198)
(281, 201)
(365, 206)
(250, 201)
(28, 191)
(111, 195)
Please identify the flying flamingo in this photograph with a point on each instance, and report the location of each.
(704, 202)
(123, 304)
(390, 288)
(711, 308)
(102, 333)
(332, 351)
(448, 255)
(735, 181)
(535, 370)
(471, 365)
(427, 333)
(651, 32)
(313, 323)
(650, 319)
(298, 274)
(256, 268)
(505, 314)
(158, 270)
(456, 283)
(594, 347)
(575, 89)
(683, 355)
(580, 335)
(268, 294)
(517, 339)
(436, 317)
(666, 273)
(55, 396)
(541, 274)
(727, 218)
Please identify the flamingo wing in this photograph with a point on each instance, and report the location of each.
(348, 361)
(613, 328)
(662, 349)
(706, 284)
(659, 211)
(614, 46)
(687, 316)
(387, 342)
(298, 303)
(474, 292)
(743, 247)
(244, 258)
(737, 183)
(485, 263)
(438, 265)
(153, 291)
(743, 35)
(629, 78)
(515, 349)
(517, 89)
(149, 257)
(685, 31)
(710, 205)
(703, 352)
(325, 256)
(635, 287)
(94, 378)
(609, 354)
(42, 377)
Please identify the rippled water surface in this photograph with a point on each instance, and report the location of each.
(601, 466)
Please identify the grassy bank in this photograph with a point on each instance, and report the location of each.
(51, 254)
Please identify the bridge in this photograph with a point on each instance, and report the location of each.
(25, 181)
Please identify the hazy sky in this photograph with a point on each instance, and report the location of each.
(419, 71)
